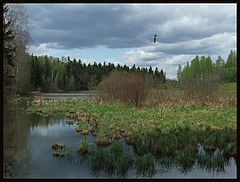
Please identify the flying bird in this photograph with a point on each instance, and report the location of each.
(154, 38)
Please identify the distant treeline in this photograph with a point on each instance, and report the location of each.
(200, 78)
(203, 67)
(49, 74)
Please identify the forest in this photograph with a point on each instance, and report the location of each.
(49, 74)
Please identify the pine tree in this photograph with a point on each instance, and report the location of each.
(231, 67)
(133, 67)
(150, 71)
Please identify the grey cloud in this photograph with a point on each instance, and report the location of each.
(183, 30)
(126, 26)
(208, 45)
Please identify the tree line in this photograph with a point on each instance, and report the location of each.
(50, 74)
(203, 67)
(201, 76)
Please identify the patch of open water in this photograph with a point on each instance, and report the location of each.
(28, 154)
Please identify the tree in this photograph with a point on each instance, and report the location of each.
(118, 67)
(127, 87)
(220, 68)
(198, 79)
(231, 60)
(150, 71)
(18, 23)
(179, 74)
(9, 51)
(195, 65)
(133, 67)
(231, 67)
(54, 74)
(162, 76)
(156, 72)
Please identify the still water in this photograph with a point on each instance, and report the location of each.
(28, 154)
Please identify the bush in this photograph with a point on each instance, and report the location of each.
(127, 87)
(201, 89)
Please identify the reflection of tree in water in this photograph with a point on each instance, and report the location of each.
(114, 161)
(39, 120)
(17, 127)
(16, 130)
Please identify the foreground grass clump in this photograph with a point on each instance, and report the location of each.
(112, 161)
(117, 161)
(161, 129)
(58, 150)
(83, 147)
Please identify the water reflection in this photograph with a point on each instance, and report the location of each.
(117, 162)
(28, 154)
(16, 130)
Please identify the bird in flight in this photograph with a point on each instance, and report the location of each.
(154, 38)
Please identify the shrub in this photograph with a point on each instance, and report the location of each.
(127, 87)
(200, 89)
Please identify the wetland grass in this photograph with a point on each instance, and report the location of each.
(83, 147)
(58, 150)
(156, 134)
(144, 165)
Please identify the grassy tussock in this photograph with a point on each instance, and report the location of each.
(163, 129)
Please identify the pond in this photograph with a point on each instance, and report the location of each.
(28, 154)
(77, 95)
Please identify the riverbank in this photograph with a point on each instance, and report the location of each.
(159, 129)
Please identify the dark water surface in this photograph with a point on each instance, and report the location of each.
(28, 154)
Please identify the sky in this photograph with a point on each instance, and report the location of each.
(123, 33)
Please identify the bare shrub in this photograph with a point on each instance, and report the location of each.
(127, 87)
(164, 97)
(200, 90)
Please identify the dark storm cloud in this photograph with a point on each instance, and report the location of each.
(86, 26)
(126, 26)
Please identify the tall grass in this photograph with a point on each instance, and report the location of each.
(155, 132)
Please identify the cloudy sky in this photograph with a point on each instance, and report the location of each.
(123, 33)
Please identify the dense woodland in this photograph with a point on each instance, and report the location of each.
(50, 74)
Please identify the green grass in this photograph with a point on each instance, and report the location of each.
(83, 147)
(159, 130)
(113, 117)
(228, 88)
(156, 132)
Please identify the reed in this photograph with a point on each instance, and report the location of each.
(144, 165)
(83, 147)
